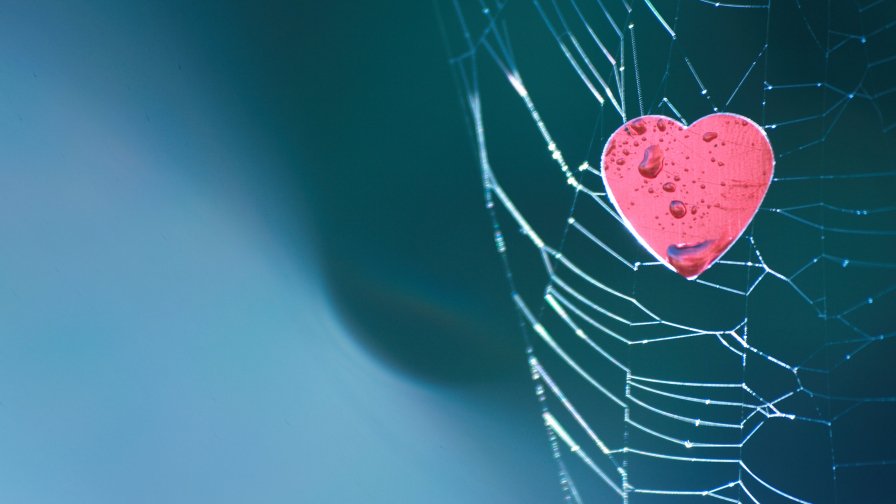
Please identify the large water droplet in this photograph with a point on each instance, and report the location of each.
(652, 164)
(669, 187)
(677, 209)
(638, 126)
(690, 259)
(709, 136)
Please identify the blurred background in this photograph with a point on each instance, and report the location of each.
(244, 259)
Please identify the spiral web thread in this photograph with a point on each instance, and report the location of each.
(669, 424)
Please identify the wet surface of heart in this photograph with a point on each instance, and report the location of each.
(687, 193)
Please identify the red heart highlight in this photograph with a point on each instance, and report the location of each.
(687, 193)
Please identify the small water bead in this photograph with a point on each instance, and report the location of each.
(677, 209)
(702, 186)
(661, 125)
(709, 136)
(676, 178)
(652, 164)
(626, 152)
(669, 187)
(620, 161)
(694, 210)
(650, 190)
(638, 127)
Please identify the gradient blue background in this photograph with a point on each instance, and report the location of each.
(230, 275)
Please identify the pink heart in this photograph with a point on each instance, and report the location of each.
(687, 193)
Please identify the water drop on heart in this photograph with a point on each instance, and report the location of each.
(661, 125)
(669, 187)
(693, 210)
(676, 178)
(677, 209)
(709, 136)
(652, 164)
(638, 127)
(620, 161)
(689, 259)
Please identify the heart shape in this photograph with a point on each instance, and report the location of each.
(687, 192)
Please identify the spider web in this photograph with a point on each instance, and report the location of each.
(768, 379)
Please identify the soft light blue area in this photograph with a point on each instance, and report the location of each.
(155, 353)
